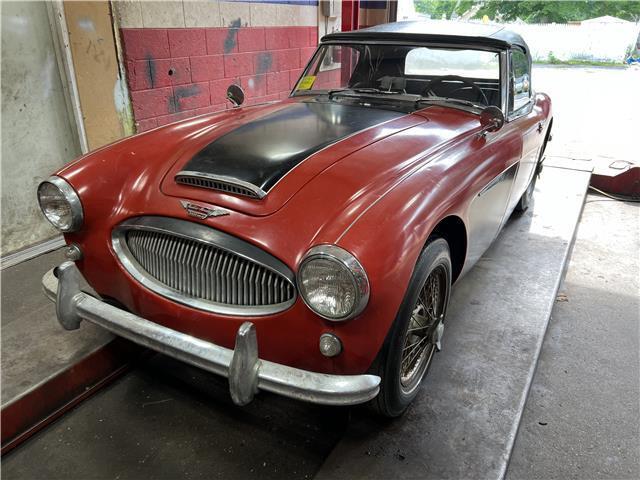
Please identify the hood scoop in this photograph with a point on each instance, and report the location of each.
(219, 182)
(250, 159)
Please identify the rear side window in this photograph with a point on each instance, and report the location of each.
(520, 80)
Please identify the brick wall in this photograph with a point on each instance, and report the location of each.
(175, 71)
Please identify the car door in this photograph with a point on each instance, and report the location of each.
(497, 160)
(523, 118)
(498, 163)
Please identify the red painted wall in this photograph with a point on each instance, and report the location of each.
(176, 73)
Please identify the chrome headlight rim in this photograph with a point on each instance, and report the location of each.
(71, 197)
(346, 260)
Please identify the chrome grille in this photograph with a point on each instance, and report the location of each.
(199, 273)
(213, 182)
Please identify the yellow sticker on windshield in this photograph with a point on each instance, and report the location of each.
(306, 83)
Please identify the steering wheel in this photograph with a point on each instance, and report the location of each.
(439, 80)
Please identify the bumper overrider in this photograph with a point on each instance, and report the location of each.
(246, 372)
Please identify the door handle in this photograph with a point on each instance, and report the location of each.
(540, 127)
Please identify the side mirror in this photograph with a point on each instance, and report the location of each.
(491, 120)
(235, 94)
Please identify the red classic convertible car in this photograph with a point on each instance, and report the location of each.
(308, 246)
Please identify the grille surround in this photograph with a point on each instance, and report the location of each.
(219, 183)
(164, 255)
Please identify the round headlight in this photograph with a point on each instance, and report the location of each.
(332, 283)
(60, 203)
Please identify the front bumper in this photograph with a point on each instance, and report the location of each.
(246, 372)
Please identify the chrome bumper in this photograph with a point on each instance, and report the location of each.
(246, 372)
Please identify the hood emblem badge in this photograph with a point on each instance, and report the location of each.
(202, 211)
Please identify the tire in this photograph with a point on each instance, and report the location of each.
(526, 198)
(401, 376)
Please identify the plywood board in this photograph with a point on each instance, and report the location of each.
(96, 67)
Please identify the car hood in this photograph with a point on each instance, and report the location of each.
(259, 152)
(263, 150)
(329, 189)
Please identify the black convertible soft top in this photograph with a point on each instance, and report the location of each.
(495, 36)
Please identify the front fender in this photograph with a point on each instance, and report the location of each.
(389, 236)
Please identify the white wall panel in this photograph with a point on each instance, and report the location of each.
(37, 135)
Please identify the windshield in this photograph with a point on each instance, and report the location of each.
(464, 74)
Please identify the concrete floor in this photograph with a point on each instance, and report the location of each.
(34, 347)
(166, 420)
(582, 416)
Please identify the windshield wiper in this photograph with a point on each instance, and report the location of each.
(450, 100)
(331, 93)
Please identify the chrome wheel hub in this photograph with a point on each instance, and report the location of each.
(436, 336)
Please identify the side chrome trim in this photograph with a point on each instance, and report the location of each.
(504, 80)
(234, 182)
(201, 233)
(345, 259)
(528, 107)
(497, 179)
(247, 373)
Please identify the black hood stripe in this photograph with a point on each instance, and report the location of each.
(262, 151)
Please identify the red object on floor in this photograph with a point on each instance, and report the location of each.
(618, 177)
(47, 401)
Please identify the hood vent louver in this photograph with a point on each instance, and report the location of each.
(220, 183)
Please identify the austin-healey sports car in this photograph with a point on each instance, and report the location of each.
(308, 246)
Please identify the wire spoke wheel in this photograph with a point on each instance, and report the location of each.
(415, 334)
(419, 342)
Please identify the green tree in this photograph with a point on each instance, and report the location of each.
(533, 11)
(558, 11)
(436, 9)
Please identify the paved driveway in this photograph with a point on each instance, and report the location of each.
(596, 110)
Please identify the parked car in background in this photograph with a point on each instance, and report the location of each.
(308, 246)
